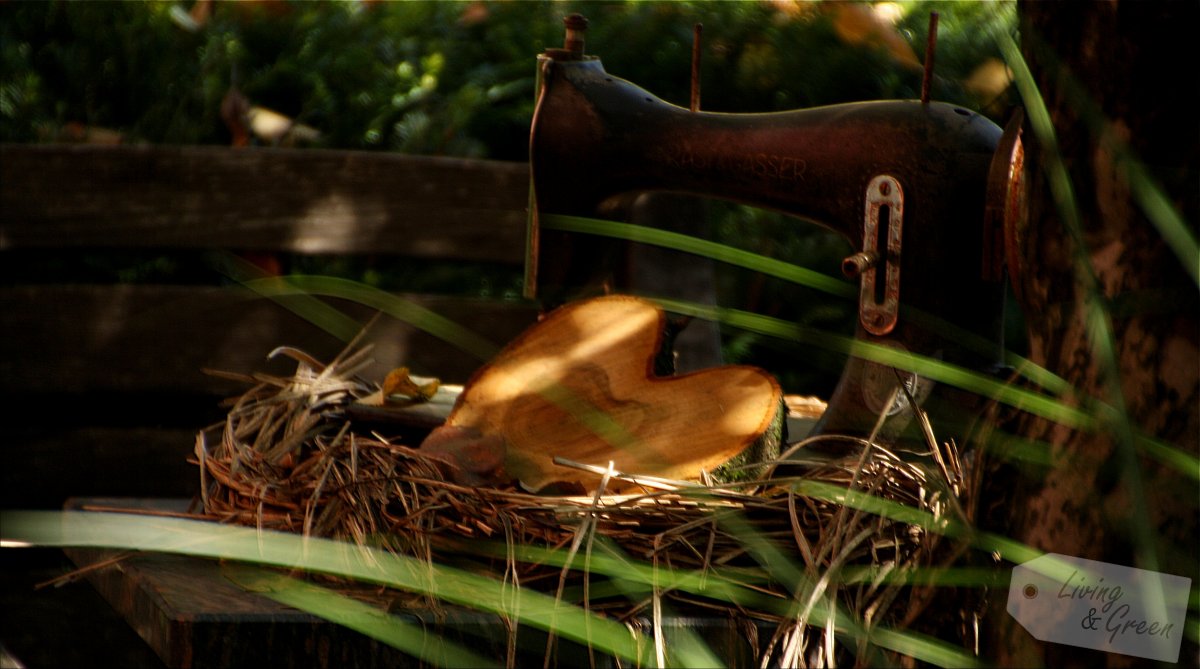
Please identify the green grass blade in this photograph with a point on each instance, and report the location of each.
(1180, 460)
(1147, 192)
(212, 540)
(1096, 415)
(1163, 214)
(931, 368)
(792, 273)
(404, 635)
(393, 305)
(927, 649)
(731, 586)
(203, 539)
(297, 294)
(1009, 549)
(704, 248)
(303, 305)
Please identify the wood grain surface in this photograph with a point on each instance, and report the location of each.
(309, 201)
(580, 385)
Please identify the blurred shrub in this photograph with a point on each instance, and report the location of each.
(446, 78)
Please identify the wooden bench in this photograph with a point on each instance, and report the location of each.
(101, 379)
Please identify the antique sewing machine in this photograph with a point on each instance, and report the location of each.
(925, 191)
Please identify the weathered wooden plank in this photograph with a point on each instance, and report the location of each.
(157, 339)
(305, 201)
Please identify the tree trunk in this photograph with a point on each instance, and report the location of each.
(1112, 73)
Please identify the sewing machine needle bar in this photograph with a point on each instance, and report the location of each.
(930, 50)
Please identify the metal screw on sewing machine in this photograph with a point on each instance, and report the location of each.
(576, 25)
(853, 266)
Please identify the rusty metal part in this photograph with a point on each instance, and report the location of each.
(573, 42)
(697, 30)
(879, 299)
(930, 51)
(853, 266)
(1004, 218)
(575, 28)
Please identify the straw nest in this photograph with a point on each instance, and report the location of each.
(287, 457)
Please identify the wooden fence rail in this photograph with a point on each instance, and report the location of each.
(273, 199)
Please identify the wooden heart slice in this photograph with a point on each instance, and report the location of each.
(580, 385)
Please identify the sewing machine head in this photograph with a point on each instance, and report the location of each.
(921, 189)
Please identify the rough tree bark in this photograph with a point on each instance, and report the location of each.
(1128, 68)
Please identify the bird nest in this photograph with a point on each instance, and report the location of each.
(813, 540)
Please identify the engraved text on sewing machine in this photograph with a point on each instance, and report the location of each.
(776, 167)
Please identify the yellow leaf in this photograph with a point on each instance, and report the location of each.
(399, 383)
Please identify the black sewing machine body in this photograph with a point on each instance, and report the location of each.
(906, 182)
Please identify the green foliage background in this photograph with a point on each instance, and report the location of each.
(446, 78)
